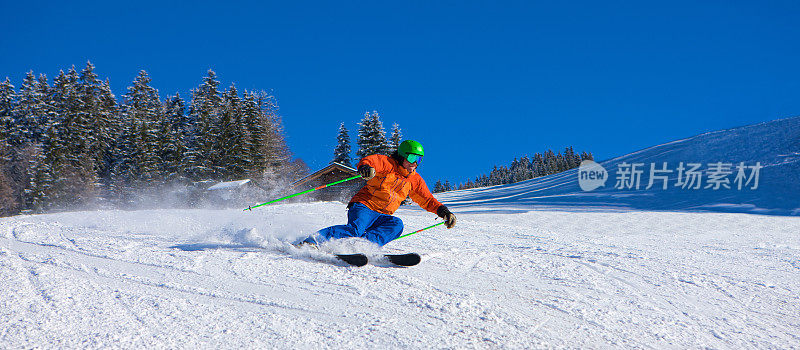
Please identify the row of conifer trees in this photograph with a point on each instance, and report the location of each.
(72, 144)
(541, 164)
(371, 139)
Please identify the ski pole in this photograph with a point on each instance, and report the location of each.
(304, 192)
(418, 231)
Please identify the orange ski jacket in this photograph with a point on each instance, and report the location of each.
(391, 185)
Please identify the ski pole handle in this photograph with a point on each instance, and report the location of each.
(301, 193)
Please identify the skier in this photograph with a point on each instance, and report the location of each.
(390, 179)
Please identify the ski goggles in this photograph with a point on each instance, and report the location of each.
(414, 158)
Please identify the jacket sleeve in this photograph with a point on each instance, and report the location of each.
(422, 196)
(378, 161)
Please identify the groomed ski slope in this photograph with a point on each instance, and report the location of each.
(225, 279)
(537, 264)
(773, 145)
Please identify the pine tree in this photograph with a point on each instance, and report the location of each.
(72, 170)
(272, 145)
(205, 110)
(90, 114)
(45, 106)
(38, 157)
(232, 138)
(25, 165)
(50, 169)
(341, 154)
(256, 131)
(98, 107)
(243, 155)
(192, 162)
(516, 171)
(8, 195)
(29, 113)
(7, 106)
(526, 169)
(77, 123)
(550, 162)
(371, 136)
(10, 202)
(538, 165)
(140, 164)
(41, 191)
(560, 163)
(438, 186)
(572, 160)
(173, 140)
(494, 176)
(395, 139)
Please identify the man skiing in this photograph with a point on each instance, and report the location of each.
(390, 179)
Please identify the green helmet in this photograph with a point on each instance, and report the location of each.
(410, 148)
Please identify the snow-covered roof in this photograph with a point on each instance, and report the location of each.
(318, 173)
(229, 185)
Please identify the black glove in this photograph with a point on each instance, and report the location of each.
(449, 218)
(367, 172)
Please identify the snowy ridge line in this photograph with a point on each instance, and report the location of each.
(773, 192)
(705, 134)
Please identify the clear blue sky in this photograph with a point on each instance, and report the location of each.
(477, 82)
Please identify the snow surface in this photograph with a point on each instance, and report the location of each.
(536, 264)
(774, 145)
(224, 278)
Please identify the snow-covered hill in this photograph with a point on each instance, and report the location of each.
(538, 264)
(774, 146)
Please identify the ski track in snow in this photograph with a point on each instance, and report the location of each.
(223, 278)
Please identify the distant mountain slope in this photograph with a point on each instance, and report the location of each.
(775, 145)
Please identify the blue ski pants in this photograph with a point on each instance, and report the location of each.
(365, 223)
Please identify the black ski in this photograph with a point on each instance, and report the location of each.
(353, 259)
(409, 259)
